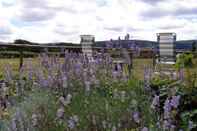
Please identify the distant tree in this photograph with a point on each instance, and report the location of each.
(119, 39)
(194, 46)
(20, 41)
(127, 37)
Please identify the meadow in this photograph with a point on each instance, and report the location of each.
(75, 94)
(138, 65)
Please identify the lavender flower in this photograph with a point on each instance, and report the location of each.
(72, 122)
(65, 82)
(167, 109)
(13, 125)
(115, 74)
(172, 127)
(144, 129)
(136, 117)
(175, 101)
(119, 67)
(166, 124)
(190, 125)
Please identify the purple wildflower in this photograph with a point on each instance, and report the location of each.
(72, 122)
(190, 125)
(166, 124)
(172, 127)
(144, 129)
(136, 117)
(167, 109)
(65, 82)
(175, 101)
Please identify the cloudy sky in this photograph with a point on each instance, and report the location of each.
(65, 20)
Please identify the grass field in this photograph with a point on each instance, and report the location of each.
(138, 65)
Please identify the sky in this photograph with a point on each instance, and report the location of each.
(65, 20)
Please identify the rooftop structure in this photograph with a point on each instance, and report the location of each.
(86, 43)
(166, 46)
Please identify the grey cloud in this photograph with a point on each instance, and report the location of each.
(116, 29)
(167, 27)
(33, 16)
(132, 29)
(34, 3)
(158, 12)
(185, 11)
(152, 2)
(36, 11)
(65, 33)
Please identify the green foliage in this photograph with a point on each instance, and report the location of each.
(184, 61)
(113, 104)
(187, 110)
(40, 102)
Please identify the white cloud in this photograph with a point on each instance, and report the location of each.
(65, 20)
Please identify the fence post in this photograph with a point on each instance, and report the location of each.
(21, 59)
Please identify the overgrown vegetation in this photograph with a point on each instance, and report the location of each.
(76, 94)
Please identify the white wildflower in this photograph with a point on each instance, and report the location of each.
(34, 118)
(104, 124)
(68, 99)
(87, 86)
(75, 118)
(62, 101)
(114, 128)
(60, 112)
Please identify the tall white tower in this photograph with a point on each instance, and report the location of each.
(86, 42)
(166, 47)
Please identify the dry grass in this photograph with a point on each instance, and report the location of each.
(138, 65)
